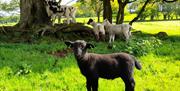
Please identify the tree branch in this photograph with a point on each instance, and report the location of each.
(140, 12)
(169, 1)
(127, 1)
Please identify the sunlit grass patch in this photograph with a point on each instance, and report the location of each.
(170, 27)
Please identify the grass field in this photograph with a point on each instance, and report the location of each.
(29, 67)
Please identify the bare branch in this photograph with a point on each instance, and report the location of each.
(127, 1)
(169, 1)
(140, 12)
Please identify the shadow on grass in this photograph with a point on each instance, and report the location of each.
(168, 48)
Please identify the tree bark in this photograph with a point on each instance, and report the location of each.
(107, 13)
(98, 16)
(140, 12)
(32, 12)
(120, 15)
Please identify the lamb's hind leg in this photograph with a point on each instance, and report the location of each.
(126, 35)
(95, 84)
(128, 79)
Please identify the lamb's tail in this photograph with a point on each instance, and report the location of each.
(137, 64)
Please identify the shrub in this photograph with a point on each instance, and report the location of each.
(23, 70)
(142, 46)
(139, 46)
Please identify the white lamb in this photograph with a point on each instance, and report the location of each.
(55, 10)
(117, 30)
(98, 29)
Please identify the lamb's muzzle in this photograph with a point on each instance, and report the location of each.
(108, 66)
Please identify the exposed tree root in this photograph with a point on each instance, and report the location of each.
(59, 31)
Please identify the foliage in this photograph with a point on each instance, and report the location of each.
(157, 8)
(23, 70)
(115, 7)
(141, 47)
(9, 19)
(82, 8)
(9, 6)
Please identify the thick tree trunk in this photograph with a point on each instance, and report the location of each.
(107, 13)
(32, 12)
(120, 15)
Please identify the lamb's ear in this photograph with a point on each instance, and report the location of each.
(89, 45)
(90, 20)
(69, 43)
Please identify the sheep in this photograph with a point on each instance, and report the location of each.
(52, 11)
(116, 30)
(68, 12)
(98, 29)
(108, 66)
(55, 10)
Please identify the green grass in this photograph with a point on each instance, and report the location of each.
(171, 27)
(28, 67)
(8, 24)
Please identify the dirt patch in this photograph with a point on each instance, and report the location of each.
(61, 53)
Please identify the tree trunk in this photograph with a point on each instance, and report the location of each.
(32, 12)
(140, 12)
(164, 16)
(98, 16)
(107, 13)
(120, 15)
(152, 17)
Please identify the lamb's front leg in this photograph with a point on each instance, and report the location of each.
(110, 38)
(88, 84)
(95, 84)
(113, 37)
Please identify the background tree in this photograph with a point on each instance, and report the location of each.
(82, 9)
(144, 6)
(120, 14)
(107, 10)
(151, 10)
(177, 9)
(10, 11)
(91, 5)
(97, 6)
(9, 6)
